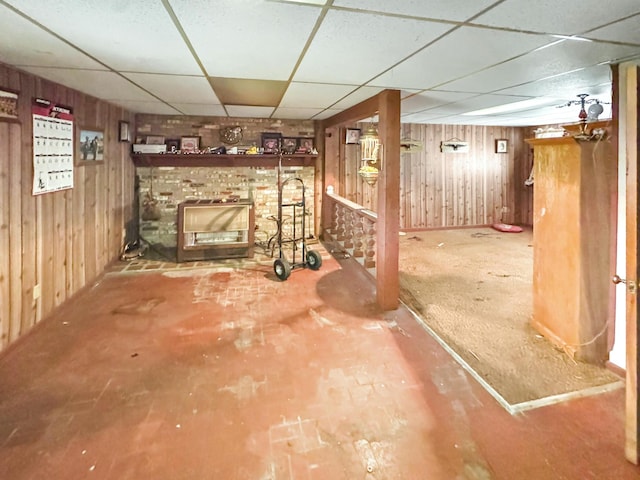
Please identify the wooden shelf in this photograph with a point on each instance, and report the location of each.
(211, 160)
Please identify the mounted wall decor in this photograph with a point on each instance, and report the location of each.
(124, 134)
(352, 136)
(454, 145)
(502, 145)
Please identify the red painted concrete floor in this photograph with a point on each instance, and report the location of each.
(228, 373)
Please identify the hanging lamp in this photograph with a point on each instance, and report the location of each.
(369, 153)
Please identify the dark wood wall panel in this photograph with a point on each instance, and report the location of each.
(439, 190)
(59, 241)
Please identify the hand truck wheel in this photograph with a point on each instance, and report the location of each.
(282, 268)
(314, 260)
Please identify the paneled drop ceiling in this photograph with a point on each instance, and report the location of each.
(309, 59)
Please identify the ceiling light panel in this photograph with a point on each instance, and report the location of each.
(35, 46)
(354, 47)
(134, 36)
(100, 84)
(176, 88)
(560, 58)
(463, 51)
(551, 16)
(261, 42)
(457, 10)
(314, 95)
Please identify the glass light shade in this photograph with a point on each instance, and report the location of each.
(370, 145)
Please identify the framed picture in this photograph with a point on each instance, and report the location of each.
(189, 144)
(352, 135)
(91, 145)
(123, 131)
(502, 145)
(173, 145)
(8, 103)
(305, 145)
(289, 144)
(154, 140)
(271, 142)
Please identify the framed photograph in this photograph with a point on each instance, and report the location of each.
(189, 144)
(289, 144)
(352, 135)
(124, 135)
(8, 104)
(502, 145)
(154, 140)
(271, 142)
(305, 145)
(173, 145)
(91, 146)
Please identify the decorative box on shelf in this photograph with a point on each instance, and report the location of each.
(144, 148)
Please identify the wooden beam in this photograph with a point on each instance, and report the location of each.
(366, 108)
(388, 245)
(632, 427)
(386, 105)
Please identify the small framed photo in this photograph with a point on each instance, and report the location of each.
(173, 145)
(289, 144)
(352, 135)
(189, 144)
(305, 145)
(124, 134)
(91, 146)
(502, 145)
(154, 140)
(8, 103)
(271, 142)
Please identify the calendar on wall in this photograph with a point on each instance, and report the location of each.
(52, 147)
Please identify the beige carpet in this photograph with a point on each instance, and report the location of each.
(473, 288)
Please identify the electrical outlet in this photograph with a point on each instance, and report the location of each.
(36, 291)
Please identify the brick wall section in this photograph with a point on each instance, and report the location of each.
(173, 185)
(208, 128)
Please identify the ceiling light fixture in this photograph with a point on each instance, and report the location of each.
(511, 107)
(572, 37)
(369, 155)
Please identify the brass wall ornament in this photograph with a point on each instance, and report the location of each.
(231, 135)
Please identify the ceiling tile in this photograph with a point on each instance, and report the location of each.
(458, 10)
(100, 84)
(356, 97)
(243, 91)
(563, 57)
(588, 80)
(245, 111)
(353, 47)
(200, 109)
(463, 51)
(624, 31)
(432, 99)
(134, 36)
(23, 43)
(154, 108)
(232, 40)
(176, 88)
(551, 16)
(297, 113)
(314, 95)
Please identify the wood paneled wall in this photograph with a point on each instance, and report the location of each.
(59, 241)
(455, 189)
